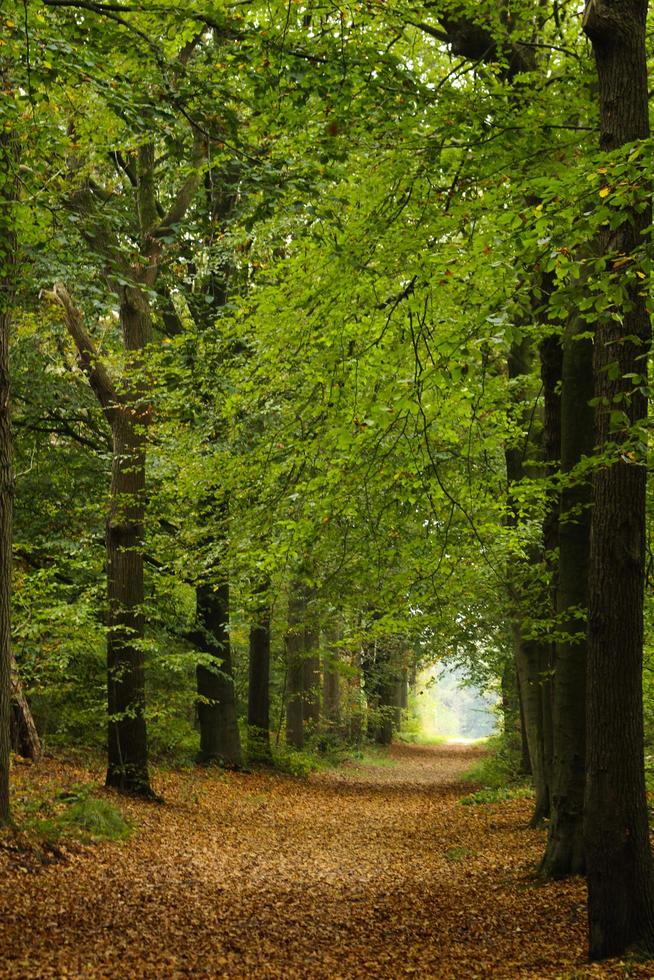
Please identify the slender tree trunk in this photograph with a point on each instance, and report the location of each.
(529, 663)
(311, 680)
(525, 760)
(8, 257)
(259, 682)
(219, 734)
(6, 501)
(532, 657)
(564, 853)
(331, 691)
(618, 857)
(294, 642)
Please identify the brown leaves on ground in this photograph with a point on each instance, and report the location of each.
(366, 872)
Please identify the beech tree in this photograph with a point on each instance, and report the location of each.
(618, 856)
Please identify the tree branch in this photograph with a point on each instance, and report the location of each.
(89, 361)
(185, 194)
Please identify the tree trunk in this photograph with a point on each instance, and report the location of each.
(532, 657)
(564, 853)
(311, 680)
(127, 768)
(9, 159)
(6, 501)
(331, 683)
(220, 740)
(24, 736)
(259, 682)
(294, 642)
(525, 761)
(551, 367)
(618, 857)
(529, 663)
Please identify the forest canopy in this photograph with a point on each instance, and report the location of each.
(324, 342)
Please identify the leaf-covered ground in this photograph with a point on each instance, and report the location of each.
(370, 871)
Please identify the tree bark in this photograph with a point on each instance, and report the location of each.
(259, 681)
(8, 245)
(24, 736)
(564, 854)
(127, 757)
(618, 857)
(311, 680)
(532, 656)
(331, 692)
(219, 733)
(294, 642)
(6, 503)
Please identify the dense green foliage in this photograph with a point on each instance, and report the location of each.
(344, 219)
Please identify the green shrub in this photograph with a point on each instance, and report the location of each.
(498, 794)
(295, 762)
(84, 818)
(500, 765)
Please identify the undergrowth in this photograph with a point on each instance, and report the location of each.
(498, 775)
(73, 814)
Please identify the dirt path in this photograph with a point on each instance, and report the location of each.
(372, 871)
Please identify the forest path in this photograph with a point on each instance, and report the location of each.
(372, 871)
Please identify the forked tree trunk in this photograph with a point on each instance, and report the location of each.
(618, 857)
(564, 852)
(220, 739)
(127, 411)
(259, 682)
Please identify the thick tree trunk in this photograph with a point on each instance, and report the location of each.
(219, 734)
(618, 857)
(259, 683)
(127, 767)
(564, 853)
(551, 367)
(24, 736)
(294, 642)
(127, 411)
